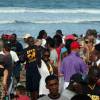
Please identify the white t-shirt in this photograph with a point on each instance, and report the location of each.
(13, 55)
(47, 98)
(68, 94)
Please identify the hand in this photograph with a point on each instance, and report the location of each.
(1, 66)
(4, 88)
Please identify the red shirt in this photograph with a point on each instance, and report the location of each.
(23, 97)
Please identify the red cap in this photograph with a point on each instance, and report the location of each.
(75, 45)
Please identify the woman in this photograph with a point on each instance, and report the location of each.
(45, 70)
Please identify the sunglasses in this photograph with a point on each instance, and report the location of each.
(47, 55)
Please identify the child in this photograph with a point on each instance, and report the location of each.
(20, 93)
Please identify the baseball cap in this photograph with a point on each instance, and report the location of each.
(27, 36)
(75, 45)
(77, 77)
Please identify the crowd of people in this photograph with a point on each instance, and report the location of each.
(55, 67)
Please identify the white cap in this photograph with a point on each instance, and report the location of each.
(27, 36)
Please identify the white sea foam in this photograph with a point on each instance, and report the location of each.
(49, 21)
(7, 21)
(32, 10)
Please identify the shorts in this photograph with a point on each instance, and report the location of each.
(32, 82)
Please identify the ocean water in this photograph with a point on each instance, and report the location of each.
(31, 16)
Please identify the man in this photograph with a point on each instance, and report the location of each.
(18, 48)
(92, 87)
(95, 56)
(74, 87)
(33, 61)
(72, 64)
(52, 84)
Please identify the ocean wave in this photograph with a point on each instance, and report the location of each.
(32, 10)
(48, 21)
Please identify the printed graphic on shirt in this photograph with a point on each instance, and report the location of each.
(31, 55)
(94, 97)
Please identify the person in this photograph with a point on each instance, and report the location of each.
(21, 93)
(91, 87)
(72, 64)
(64, 53)
(1, 44)
(81, 96)
(33, 61)
(95, 56)
(96, 53)
(59, 32)
(25, 37)
(74, 87)
(7, 51)
(42, 35)
(18, 48)
(53, 54)
(58, 45)
(67, 45)
(52, 84)
(3, 76)
(45, 70)
(91, 35)
(6, 68)
(16, 45)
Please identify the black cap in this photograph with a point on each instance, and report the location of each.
(76, 78)
(59, 32)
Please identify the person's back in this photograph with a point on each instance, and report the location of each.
(72, 64)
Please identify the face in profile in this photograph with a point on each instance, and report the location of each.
(46, 55)
(53, 86)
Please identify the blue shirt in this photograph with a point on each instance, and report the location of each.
(72, 64)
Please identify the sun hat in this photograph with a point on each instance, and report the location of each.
(71, 37)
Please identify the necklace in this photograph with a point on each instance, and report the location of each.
(91, 87)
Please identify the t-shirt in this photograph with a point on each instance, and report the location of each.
(48, 98)
(33, 60)
(23, 97)
(68, 94)
(13, 55)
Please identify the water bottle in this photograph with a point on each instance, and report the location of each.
(6, 97)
